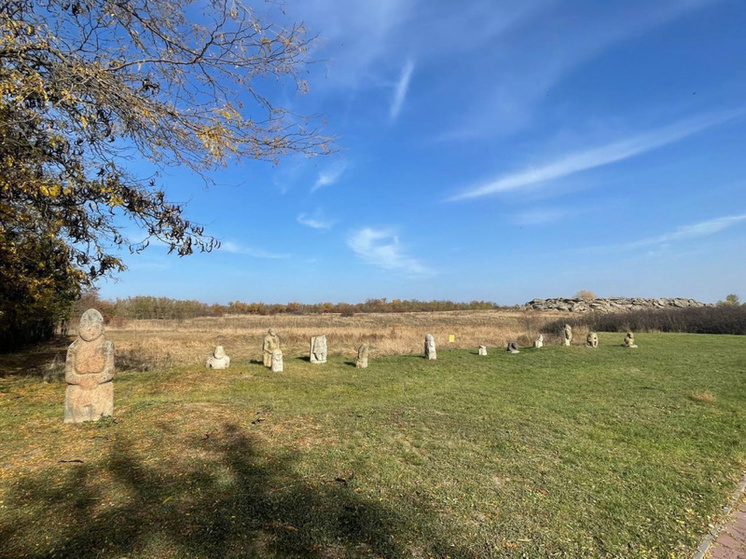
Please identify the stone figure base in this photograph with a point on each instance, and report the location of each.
(88, 405)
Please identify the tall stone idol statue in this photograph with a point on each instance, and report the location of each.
(271, 343)
(276, 366)
(362, 357)
(567, 335)
(430, 348)
(318, 349)
(592, 340)
(629, 340)
(89, 371)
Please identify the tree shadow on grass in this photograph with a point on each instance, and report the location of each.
(231, 501)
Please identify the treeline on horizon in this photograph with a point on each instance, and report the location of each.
(146, 307)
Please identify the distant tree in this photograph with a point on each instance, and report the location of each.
(585, 294)
(731, 300)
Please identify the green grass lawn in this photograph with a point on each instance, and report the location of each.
(557, 452)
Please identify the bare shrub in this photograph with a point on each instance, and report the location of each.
(702, 320)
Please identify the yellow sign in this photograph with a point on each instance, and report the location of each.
(451, 338)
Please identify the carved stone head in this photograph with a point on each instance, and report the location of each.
(91, 325)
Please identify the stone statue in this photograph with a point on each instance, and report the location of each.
(512, 347)
(271, 343)
(482, 350)
(362, 357)
(629, 340)
(567, 335)
(430, 353)
(539, 341)
(318, 349)
(592, 340)
(89, 371)
(218, 359)
(276, 364)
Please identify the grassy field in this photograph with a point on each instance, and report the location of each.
(557, 452)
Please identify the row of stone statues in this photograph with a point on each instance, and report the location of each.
(272, 354)
(318, 349)
(512, 347)
(592, 339)
(89, 367)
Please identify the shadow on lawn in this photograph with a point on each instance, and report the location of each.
(237, 502)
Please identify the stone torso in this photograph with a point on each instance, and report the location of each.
(90, 357)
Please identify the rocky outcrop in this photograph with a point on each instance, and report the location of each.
(613, 305)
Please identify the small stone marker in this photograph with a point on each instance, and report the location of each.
(362, 357)
(430, 353)
(271, 343)
(512, 347)
(89, 372)
(276, 365)
(482, 350)
(567, 335)
(318, 349)
(218, 359)
(592, 340)
(629, 340)
(539, 341)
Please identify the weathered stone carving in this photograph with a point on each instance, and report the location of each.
(318, 349)
(567, 335)
(539, 341)
(512, 347)
(362, 357)
(271, 343)
(276, 364)
(218, 359)
(89, 372)
(629, 340)
(482, 350)
(430, 352)
(592, 340)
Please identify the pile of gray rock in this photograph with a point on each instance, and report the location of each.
(613, 305)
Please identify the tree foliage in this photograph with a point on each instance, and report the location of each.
(731, 300)
(88, 85)
(586, 295)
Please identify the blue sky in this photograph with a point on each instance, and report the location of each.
(498, 150)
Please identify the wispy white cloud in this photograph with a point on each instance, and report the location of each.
(505, 100)
(381, 248)
(400, 90)
(691, 232)
(330, 175)
(236, 248)
(581, 161)
(315, 220)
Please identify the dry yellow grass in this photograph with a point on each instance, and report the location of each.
(704, 396)
(148, 344)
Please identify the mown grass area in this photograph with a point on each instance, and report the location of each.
(557, 452)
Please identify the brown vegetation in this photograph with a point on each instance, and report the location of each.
(147, 344)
